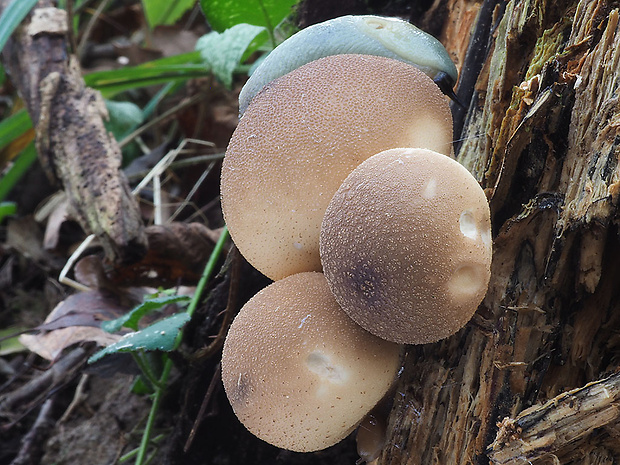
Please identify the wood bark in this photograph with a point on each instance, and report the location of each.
(533, 377)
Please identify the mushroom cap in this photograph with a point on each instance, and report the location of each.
(303, 134)
(361, 34)
(406, 245)
(298, 372)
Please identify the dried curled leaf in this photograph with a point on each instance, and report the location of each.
(76, 319)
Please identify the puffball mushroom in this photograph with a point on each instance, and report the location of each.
(303, 134)
(361, 34)
(298, 372)
(406, 245)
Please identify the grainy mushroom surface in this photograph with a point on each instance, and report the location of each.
(406, 245)
(303, 134)
(298, 372)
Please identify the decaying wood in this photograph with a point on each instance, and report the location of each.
(542, 134)
(73, 145)
(561, 422)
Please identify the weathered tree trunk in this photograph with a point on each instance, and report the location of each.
(542, 133)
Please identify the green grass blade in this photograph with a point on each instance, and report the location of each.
(13, 127)
(7, 209)
(18, 169)
(159, 12)
(12, 16)
(176, 68)
(224, 14)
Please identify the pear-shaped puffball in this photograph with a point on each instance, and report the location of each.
(298, 372)
(406, 245)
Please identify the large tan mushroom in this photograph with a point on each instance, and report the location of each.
(406, 245)
(298, 372)
(303, 134)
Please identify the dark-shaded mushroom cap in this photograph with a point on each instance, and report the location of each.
(406, 245)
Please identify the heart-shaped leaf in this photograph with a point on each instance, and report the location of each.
(223, 52)
(159, 336)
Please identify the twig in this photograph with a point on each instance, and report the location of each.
(159, 168)
(62, 278)
(54, 376)
(186, 103)
(78, 398)
(215, 380)
(193, 190)
(89, 27)
(217, 342)
(158, 217)
(31, 444)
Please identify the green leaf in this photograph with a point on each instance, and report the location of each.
(165, 11)
(223, 52)
(158, 336)
(141, 387)
(224, 14)
(12, 16)
(131, 319)
(124, 116)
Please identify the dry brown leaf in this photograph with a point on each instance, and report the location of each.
(89, 271)
(75, 319)
(55, 220)
(50, 345)
(25, 235)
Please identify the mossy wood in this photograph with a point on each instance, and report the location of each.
(533, 377)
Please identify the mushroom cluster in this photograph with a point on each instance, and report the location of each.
(300, 138)
(372, 243)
